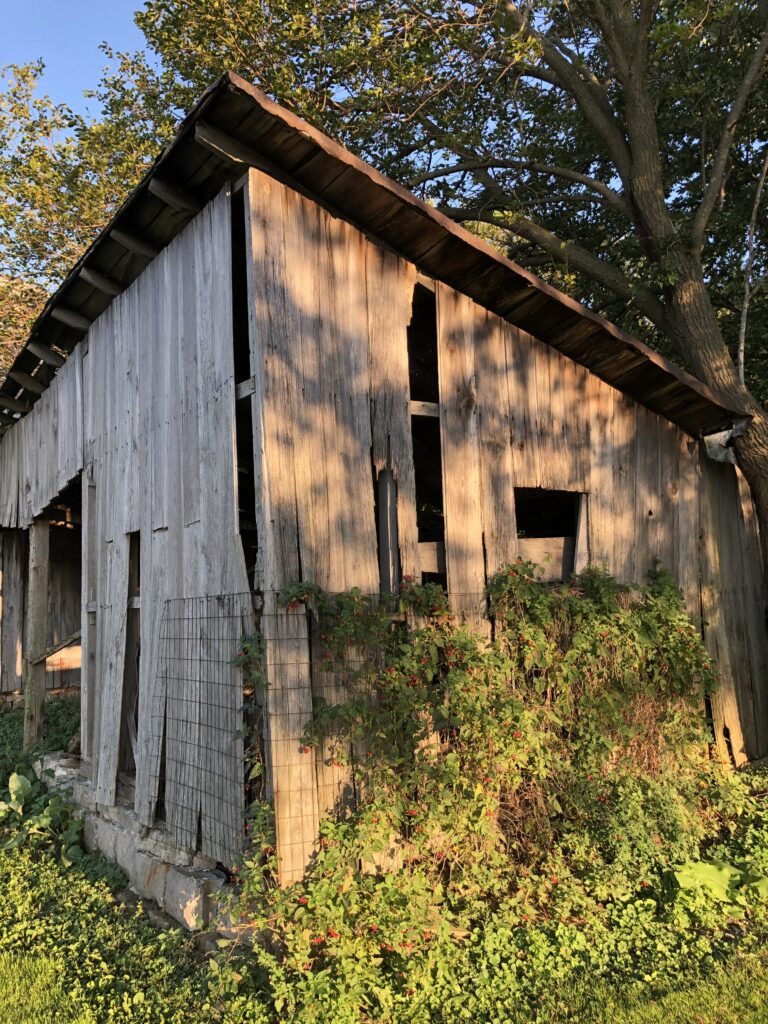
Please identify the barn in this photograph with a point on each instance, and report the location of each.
(276, 365)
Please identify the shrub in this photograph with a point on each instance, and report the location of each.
(525, 804)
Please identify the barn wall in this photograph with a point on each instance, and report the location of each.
(331, 406)
(44, 450)
(13, 551)
(158, 387)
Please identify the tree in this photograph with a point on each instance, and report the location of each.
(61, 178)
(616, 144)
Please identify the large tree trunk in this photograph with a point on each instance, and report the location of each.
(693, 326)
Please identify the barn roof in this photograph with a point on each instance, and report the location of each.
(234, 125)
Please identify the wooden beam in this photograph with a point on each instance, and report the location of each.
(134, 243)
(245, 388)
(180, 199)
(55, 648)
(432, 556)
(389, 550)
(37, 625)
(27, 381)
(71, 318)
(47, 355)
(225, 147)
(425, 409)
(241, 155)
(14, 404)
(97, 280)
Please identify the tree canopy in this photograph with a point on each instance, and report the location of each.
(617, 147)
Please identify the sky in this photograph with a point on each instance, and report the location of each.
(66, 34)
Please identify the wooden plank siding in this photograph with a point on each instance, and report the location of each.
(310, 336)
(12, 609)
(159, 360)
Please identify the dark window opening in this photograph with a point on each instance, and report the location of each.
(542, 513)
(240, 288)
(246, 488)
(65, 567)
(422, 346)
(547, 524)
(428, 470)
(130, 716)
(425, 432)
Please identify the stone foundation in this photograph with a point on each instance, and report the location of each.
(188, 889)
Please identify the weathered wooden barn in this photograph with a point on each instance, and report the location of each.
(275, 364)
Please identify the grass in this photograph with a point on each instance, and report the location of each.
(735, 993)
(32, 992)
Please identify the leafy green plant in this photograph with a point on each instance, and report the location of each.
(36, 816)
(528, 804)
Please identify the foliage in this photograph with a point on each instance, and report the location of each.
(113, 965)
(61, 721)
(541, 834)
(533, 810)
(467, 103)
(35, 815)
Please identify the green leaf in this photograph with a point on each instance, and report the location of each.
(19, 787)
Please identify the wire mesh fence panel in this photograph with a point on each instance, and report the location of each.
(197, 724)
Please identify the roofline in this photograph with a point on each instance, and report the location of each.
(480, 271)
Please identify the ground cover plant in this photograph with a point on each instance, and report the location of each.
(542, 833)
(549, 798)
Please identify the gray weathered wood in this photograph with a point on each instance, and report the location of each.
(36, 625)
(458, 320)
(101, 281)
(14, 569)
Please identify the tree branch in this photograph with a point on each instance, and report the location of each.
(707, 205)
(574, 256)
(749, 289)
(613, 198)
(612, 41)
(597, 111)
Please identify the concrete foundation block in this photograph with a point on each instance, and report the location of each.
(90, 832)
(185, 898)
(125, 852)
(106, 837)
(149, 877)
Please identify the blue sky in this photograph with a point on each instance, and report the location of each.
(66, 35)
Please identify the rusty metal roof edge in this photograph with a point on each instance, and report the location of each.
(334, 150)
